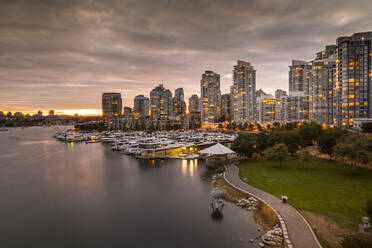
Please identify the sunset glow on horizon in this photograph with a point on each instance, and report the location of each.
(80, 112)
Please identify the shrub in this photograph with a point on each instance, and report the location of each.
(265, 214)
(368, 209)
(354, 148)
(367, 127)
(360, 240)
(304, 156)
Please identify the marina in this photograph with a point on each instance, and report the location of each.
(180, 145)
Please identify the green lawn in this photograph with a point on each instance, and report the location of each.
(335, 190)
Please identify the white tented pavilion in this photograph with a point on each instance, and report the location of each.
(217, 149)
(217, 154)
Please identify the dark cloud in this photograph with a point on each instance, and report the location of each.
(64, 54)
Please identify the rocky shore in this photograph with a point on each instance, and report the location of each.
(273, 236)
(249, 204)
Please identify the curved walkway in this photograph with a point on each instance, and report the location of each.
(300, 232)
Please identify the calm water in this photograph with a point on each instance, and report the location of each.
(54, 194)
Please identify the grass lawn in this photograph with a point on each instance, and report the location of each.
(323, 187)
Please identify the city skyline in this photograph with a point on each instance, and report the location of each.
(63, 56)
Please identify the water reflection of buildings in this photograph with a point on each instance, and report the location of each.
(189, 167)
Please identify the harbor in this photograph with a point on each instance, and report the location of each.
(177, 145)
(81, 194)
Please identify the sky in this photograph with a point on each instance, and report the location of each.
(61, 54)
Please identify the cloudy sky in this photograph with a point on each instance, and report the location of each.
(60, 54)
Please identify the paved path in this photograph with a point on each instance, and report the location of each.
(299, 230)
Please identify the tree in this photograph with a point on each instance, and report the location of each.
(250, 126)
(244, 145)
(327, 142)
(359, 240)
(91, 126)
(168, 126)
(304, 155)
(142, 125)
(309, 132)
(291, 125)
(137, 125)
(233, 125)
(262, 141)
(259, 127)
(152, 127)
(367, 127)
(229, 125)
(220, 126)
(369, 144)
(368, 208)
(276, 125)
(240, 126)
(277, 152)
(245, 126)
(354, 148)
(292, 139)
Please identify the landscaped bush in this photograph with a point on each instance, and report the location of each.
(368, 209)
(360, 240)
(367, 127)
(266, 215)
(304, 156)
(354, 148)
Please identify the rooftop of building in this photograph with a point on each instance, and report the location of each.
(356, 37)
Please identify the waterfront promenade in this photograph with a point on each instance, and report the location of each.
(300, 233)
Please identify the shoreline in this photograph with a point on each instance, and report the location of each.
(264, 216)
